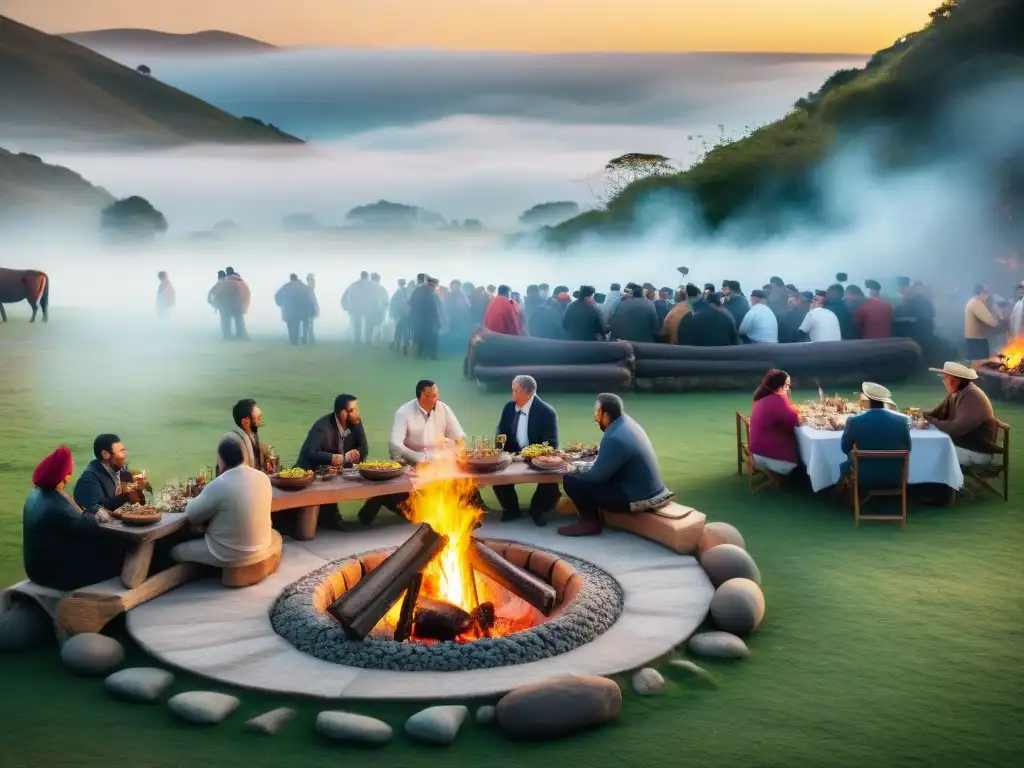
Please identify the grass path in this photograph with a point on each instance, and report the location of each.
(878, 648)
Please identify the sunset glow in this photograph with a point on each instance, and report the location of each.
(797, 26)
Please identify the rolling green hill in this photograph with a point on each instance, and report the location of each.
(54, 91)
(904, 88)
(30, 187)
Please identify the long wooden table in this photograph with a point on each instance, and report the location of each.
(349, 486)
(141, 544)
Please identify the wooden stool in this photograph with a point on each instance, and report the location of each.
(254, 573)
(674, 526)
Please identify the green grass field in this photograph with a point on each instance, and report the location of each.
(879, 648)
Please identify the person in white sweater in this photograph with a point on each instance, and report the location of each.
(424, 428)
(234, 510)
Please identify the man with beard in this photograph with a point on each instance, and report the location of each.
(100, 482)
(248, 419)
(582, 320)
(425, 318)
(624, 477)
(335, 440)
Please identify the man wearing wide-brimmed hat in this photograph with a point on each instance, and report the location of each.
(879, 428)
(965, 415)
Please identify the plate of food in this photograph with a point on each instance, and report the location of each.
(548, 462)
(139, 514)
(538, 449)
(293, 479)
(578, 450)
(481, 459)
(380, 470)
(324, 474)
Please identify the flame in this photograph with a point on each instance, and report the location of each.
(1013, 353)
(446, 502)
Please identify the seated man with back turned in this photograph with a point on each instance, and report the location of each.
(625, 477)
(876, 429)
(336, 439)
(99, 485)
(234, 509)
(527, 420)
(966, 415)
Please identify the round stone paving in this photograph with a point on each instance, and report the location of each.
(225, 634)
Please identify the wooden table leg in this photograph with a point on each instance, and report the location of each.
(136, 563)
(305, 522)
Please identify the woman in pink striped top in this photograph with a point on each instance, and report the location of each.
(773, 420)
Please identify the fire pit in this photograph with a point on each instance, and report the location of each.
(1003, 374)
(446, 600)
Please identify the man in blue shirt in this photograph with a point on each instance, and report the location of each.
(624, 475)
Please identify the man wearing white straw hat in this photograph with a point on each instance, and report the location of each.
(878, 428)
(965, 415)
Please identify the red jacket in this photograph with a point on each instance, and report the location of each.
(873, 318)
(502, 316)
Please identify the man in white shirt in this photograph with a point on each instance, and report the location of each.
(425, 427)
(821, 324)
(234, 509)
(759, 324)
(1016, 324)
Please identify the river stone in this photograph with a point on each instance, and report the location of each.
(719, 533)
(91, 653)
(24, 626)
(738, 606)
(141, 684)
(727, 561)
(693, 669)
(436, 725)
(202, 707)
(559, 707)
(353, 729)
(485, 714)
(648, 681)
(718, 645)
(270, 722)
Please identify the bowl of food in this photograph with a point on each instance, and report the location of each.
(481, 460)
(380, 470)
(139, 515)
(539, 449)
(293, 479)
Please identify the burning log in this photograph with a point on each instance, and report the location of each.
(361, 607)
(438, 620)
(403, 630)
(519, 581)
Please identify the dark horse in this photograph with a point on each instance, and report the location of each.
(24, 285)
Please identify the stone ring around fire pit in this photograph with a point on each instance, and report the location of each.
(226, 635)
(588, 602)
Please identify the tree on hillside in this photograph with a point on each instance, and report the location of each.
(549, 213)
(619, 172)
(142, 69)
(387, 215)
(944, 11)
(132, 217)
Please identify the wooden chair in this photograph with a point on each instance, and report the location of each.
(254, 573)
(854, 484)
(758, 477)
(983, 476)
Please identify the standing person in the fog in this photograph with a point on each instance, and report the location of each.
(307, 330)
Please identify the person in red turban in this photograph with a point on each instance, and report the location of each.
(54, 471)
(63, 547)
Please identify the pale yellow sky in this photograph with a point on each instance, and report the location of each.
(826, 26)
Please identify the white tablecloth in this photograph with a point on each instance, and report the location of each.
(932, 457)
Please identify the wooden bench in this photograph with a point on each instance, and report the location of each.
(674, 526)
(254, 573)
(90, 609)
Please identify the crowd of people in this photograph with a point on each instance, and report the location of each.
(425, 316)
(66, 547)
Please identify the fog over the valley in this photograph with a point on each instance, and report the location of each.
(486, 137)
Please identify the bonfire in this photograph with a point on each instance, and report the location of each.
(1011, 357)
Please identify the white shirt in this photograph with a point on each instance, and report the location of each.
(416, 434)
(235, 507)
(760, 325)
(822, 325)
(522, 429)
(1017, 319)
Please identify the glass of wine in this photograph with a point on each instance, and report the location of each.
(499, 442)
